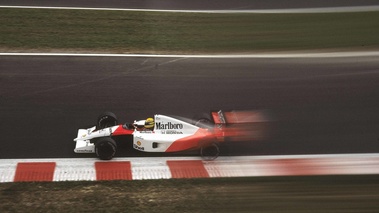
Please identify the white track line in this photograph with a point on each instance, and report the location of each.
(269, 11)
(257, 55)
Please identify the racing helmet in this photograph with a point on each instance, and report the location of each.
(149, 123)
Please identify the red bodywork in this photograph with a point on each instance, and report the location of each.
(240, 125)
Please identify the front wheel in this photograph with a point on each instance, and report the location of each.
(210, 152)
(107, 119)
(105, 148)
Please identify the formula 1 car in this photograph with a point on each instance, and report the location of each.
(162, 134)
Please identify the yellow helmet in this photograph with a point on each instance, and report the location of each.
(149, 123)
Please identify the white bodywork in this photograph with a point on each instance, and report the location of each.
(166, 131)
(83, 144)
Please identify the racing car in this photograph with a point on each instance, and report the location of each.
(163, 134)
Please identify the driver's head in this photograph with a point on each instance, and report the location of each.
(149, 123)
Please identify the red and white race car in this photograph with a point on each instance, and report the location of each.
(166, 134)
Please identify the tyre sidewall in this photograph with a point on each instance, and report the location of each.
(105, 148)
(107, 119)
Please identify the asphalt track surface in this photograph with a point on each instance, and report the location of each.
(317, 105)
(193, 4)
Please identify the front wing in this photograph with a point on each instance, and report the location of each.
(83, 146)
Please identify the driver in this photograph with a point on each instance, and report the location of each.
(144, 125)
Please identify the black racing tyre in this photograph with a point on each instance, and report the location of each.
(210, 152)
(107, 119)
(105, 148)
(204, 123)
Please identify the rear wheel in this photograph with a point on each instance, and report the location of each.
(107, 119)
(210, 152)
(105, 148)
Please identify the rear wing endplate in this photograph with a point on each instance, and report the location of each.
(218, 117)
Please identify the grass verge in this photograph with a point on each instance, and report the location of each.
(156, 32)
(256, 194)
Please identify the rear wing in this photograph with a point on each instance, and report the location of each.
(218, 117)
(233, 125)
(221, 117)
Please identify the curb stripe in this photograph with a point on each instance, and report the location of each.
(113, 170)
(187, 169)
(296, 167)
(91, 169)
(35, 172)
